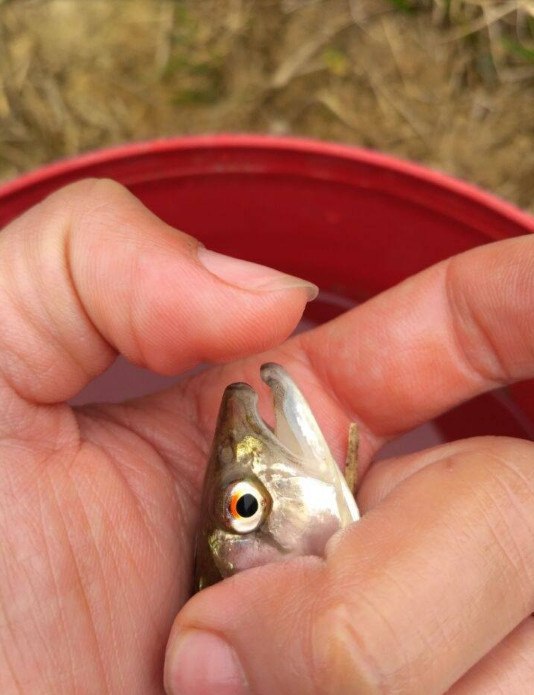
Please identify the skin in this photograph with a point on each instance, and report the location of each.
(98, 506)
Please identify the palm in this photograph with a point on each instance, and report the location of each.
(116, 513)
(117, 531)
(98, 505)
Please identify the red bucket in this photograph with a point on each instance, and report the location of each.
(354, 222)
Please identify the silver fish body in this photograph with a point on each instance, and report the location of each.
(268, 496)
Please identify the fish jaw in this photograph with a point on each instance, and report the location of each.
(297, 427)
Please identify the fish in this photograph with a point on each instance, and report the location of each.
(269, 494)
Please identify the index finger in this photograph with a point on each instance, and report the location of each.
(443, 336)
(459, 328)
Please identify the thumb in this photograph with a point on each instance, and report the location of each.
(406, 601)
(91, 272)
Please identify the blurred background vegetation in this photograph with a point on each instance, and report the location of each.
(449, 83)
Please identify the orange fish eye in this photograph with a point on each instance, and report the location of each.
(243, 505)
(233, 506)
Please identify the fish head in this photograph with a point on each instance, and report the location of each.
(268, 495)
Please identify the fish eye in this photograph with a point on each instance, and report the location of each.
(245, 506)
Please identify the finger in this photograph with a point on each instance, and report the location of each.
(408, 600)
(453, 331)
(91, 272)
(506, 670)
(406, 355)
(386, 475)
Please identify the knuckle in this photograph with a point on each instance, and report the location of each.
(342, 661)
(504, 446)
(507, 460)
(101, 187)
(500, 475)
(74, 201)
(105, 191)
(504, 458)
(475, 345)
(72, 192)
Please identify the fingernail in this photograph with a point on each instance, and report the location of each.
(252, 276)
(201, 663)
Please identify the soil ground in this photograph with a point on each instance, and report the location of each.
(449, 83)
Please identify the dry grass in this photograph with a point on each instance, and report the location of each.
(446, 82)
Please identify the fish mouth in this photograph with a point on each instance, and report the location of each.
(296, 436)
(295, 432)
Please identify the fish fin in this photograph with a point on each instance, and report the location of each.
(351, 463)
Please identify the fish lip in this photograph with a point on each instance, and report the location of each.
(247, 397)
(239, 386)
(268, 367)
(269, 371)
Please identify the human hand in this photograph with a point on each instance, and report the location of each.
(99, 505)
(432, 591)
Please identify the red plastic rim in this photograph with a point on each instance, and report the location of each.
(354, 221)
(402, 178)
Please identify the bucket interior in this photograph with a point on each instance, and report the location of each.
(353, 222)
